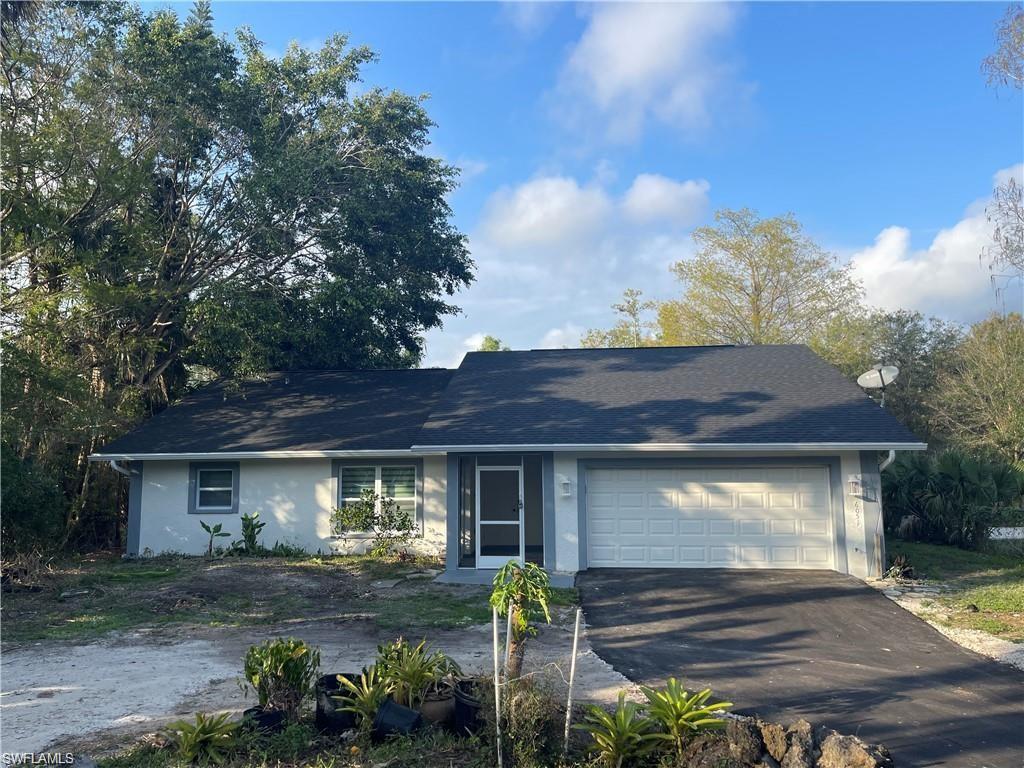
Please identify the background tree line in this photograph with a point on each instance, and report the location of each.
(177, 207)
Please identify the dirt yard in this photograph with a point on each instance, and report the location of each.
(101, 651)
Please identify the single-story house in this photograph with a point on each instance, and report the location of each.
(707, 457)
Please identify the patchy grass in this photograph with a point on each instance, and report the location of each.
(84, 598)
(986, 589)
(302, 746)
(436, 608)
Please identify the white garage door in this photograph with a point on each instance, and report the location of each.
(772, 517)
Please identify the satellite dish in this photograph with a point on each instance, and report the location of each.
(879, 377)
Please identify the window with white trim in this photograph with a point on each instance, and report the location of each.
(389, 481)
(215, 489)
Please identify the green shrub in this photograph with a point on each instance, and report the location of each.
(525, 590)
(282, 672)
(681, 714)
(389, 525)
(620, 736)
(207, 740)
(951, 497)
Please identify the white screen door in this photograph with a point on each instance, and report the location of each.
(499, 516)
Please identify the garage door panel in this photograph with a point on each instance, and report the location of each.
(773, 517)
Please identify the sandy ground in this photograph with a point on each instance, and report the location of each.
(93, 697)
(919, 599)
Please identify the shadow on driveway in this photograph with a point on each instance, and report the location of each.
(814, 644)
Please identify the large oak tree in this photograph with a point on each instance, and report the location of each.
(177, 206)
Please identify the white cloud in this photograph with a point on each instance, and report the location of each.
(948, 278)
(528, 18)
(545, 211)
(652, 197)
(553, 254)
(636, 61)
(567, 335)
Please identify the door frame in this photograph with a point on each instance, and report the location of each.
(484, 562)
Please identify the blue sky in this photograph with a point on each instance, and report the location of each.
(593, 139)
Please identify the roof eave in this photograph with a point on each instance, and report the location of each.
(680, 447)
(235, 455)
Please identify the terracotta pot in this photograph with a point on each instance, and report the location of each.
(438, 707)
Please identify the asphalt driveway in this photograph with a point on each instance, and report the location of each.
(814, 644)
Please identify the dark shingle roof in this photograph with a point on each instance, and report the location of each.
(690, 395)
(667, 395)
(297, 411)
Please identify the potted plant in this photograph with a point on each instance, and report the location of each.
(420, 682)
(362, 696)
(332, 713)
(467, 703)
(281, 672)
(438, 704)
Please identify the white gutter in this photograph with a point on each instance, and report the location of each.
(420, 450)
(681, 447)
(234, 455)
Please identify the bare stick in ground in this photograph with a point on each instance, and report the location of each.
(497, 686)
(572, 678)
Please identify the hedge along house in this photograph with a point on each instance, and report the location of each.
(672, 457)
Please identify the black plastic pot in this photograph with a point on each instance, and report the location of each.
(395, 719)
(467, 707)
(329, 715)
(266, 720)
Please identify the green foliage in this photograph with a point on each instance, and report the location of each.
(178, 207)
(633, 328)
(523, 589)
(921, 347)
(282, 672)
(681, 714)
(216, 531)
(622, 736)
(390, 526)
(250, 541)
(410, 671)
(363, 698)
(34, 506)
(492, 344)
(755, 281)
(978, 403)
(951, 497)
(207, 740)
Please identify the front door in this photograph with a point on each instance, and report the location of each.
(499, 516)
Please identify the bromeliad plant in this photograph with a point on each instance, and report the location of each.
(681, 714)
(363, 698)
(207, 740)
(525, 590)
(622, 735)
(282, 672)
(410, 671)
